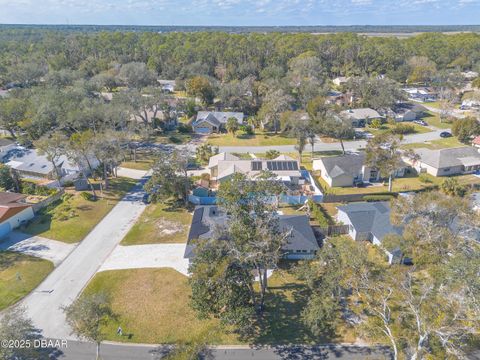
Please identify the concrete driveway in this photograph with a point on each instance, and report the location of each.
(64, 284)
(52, 250)
(131, 173)
(147, 256)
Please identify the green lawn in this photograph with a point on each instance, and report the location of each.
(172, 137)
(433, 119)
(70, 220)
(443, 143)
(418, 129)
(260, 139)
(158, 224)
(413, 183)
(144, 161)
(152, 306)
(20, 274)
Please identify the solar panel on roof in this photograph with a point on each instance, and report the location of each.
(290, 165)
(295, 165)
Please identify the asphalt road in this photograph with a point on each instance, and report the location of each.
(322, 146)
(86, 351)
(64, 284)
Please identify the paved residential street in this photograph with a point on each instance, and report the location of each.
(322, 146)
(66, 282)
(147, 256)
(110, 351)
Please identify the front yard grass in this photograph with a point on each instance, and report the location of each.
(418, 129)
(19, 275)
(399, 185)
(433, 119)
(160, 224)
(259, 139)
(152, 306)
(443, 143)
(144, 161)
(81, 215)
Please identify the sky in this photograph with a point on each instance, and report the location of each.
(241, 12)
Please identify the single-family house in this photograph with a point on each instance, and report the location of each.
(470, 104)
(421, 94)
(222, 167)
(406, 112)
(476, 142)
(339, 98)
(345, 170)
(341, 80)
(445, 162)
(470, 75)
(6, 146)
(28, 163)
(301, 243)
(370, 221)
(14, 211)
(361, 117)
(208, 122)
(167, 85)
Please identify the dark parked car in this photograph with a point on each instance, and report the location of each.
(445, 134)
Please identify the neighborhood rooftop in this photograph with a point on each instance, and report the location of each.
(302, 240)
(371, 217)
(466, 156)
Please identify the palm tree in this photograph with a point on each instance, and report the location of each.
(311, 140)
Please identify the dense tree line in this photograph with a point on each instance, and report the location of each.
(182, 55)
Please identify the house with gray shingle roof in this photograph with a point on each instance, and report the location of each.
(361, 117)
(445, 162)
(349, 170)
(28, 163)
(370, 221)
(301, 243)
(208, 122)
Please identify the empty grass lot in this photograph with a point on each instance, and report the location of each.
(82, 215)
(144, 162)
(20, 274)
(259, 139)
(152, 306)
(160, 224)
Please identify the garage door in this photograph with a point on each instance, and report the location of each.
(5, 229)
(202, 130)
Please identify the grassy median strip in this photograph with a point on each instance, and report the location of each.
(20, 274)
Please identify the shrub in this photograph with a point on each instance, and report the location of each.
(184, 128)
(272, 154)
(378, 197)
(424, 178)
(247, 129)
(319, 214)
(403, 129)
(175, 140)
(87, 196)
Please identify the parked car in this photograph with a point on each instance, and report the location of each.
(420, 122)
(445, 134)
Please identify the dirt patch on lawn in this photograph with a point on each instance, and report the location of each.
(168, 227)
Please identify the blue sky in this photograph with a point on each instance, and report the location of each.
(241, 12)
